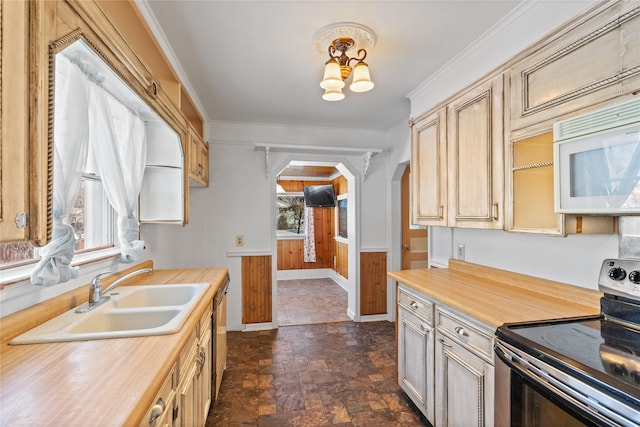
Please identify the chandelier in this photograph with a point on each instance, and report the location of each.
(346, 43)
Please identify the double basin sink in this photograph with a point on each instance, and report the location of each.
(131, 311)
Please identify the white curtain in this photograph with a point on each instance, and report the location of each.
(309, 236)
(118, 141)
(70, 155)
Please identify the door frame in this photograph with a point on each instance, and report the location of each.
(353, 181)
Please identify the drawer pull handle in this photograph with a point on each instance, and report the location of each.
(414, 305)
(444, 344)
(461, 331)
(157, 410)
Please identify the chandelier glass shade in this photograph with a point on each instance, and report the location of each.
(345, 39)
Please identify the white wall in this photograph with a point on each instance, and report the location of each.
(575, 259)
(239, 201)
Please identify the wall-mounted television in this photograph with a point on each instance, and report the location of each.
(319, 196)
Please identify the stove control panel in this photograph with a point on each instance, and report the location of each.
(620, 277)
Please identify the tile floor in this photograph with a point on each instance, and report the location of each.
(302, 302)
(313, 375)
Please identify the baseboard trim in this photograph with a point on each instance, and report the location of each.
(315, 273)
(250, 327)
(375, 318)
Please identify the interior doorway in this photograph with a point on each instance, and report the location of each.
(315, 290)
(414, 237)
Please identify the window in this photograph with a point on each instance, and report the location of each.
(290, 214)
(92, 218)
(342, 216)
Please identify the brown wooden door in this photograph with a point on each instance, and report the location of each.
(414, 240)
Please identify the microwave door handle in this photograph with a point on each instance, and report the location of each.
(542, 378)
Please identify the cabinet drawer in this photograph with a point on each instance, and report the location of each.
(164, 399)
(205, 321)
(464, 332)
(416, 305)
(187, 355)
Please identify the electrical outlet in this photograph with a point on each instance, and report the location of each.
(461, 252)
(239, 240)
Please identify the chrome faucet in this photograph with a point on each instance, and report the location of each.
(96, 293)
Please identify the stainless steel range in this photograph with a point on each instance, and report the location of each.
(577, 371)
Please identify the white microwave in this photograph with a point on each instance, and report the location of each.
(596, 160)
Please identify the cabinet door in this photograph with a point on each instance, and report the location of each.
(204, 161)
(188, 398)
(416, 360)
(583, 65)
(474, 142)
(464, 386)
(221, 342)
(204, 376)
(14, 112)
(198, 160)
(429, 170)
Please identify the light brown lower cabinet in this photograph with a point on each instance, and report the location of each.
(221, 342)
(186, 394)
(464, 386)
(160, 414)
(445, 362)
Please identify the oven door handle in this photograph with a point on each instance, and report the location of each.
(542, 378)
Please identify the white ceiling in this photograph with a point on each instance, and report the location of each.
(255, 61)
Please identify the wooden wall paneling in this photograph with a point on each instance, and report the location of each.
(373, 283)
(256, 289)
(293, 185)
(342, 259)
(340, 185)
(291, 251)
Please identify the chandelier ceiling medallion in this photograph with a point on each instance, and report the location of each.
(346, 42)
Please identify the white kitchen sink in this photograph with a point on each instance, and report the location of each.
(131, 311)
(157, 295)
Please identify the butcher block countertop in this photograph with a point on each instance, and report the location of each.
(109, 382)
(494, 297)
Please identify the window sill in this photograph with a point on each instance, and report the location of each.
(17, 292)
(23, 272)
(289, 236)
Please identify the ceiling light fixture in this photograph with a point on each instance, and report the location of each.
(341, 40)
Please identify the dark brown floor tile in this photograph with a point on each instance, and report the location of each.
(313, 375)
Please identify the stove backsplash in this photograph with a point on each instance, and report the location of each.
(629, 242)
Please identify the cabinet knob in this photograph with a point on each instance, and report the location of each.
(414, 305)
(461, 331)
(157, 410)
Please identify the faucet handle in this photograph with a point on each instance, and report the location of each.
(96, 278)
(95, 287)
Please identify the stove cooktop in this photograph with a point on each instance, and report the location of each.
(600, 351)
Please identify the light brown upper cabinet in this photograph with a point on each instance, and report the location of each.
(32, 33)
(529, 195)
(429, 169)
(475, 156)
(15, 224)
(586, 63)
(198, 160)
(457, 160)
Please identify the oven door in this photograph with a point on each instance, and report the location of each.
(531, 393)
